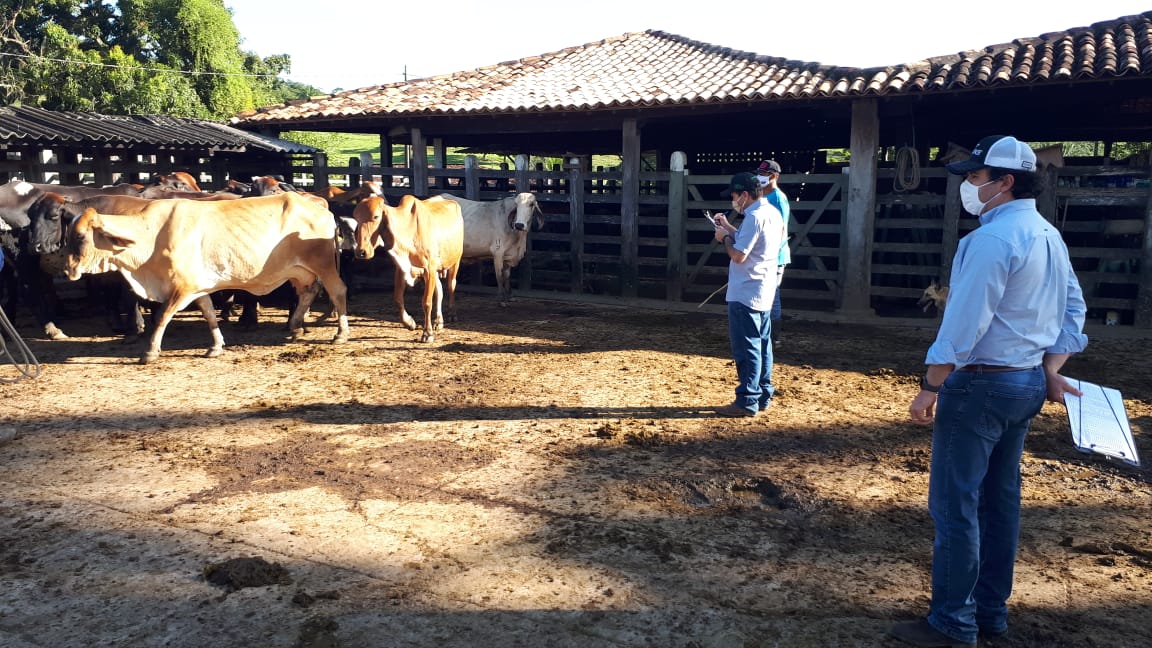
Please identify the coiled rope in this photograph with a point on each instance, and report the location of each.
(907, 176)
(27, 365)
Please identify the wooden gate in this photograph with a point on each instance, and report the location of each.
(815, 235)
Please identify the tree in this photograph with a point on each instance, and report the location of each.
(175, 57)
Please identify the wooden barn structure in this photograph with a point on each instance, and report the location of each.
(682, 115)
(86, 148)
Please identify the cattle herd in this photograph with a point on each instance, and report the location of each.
(168, 244)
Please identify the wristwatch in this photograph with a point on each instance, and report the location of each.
(926, 386)
(729, 236)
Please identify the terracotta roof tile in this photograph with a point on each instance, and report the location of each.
(655, 68)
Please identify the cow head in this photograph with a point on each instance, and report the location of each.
(90, 244)
(175, 181)
(49, 219)
(370, 225)
(935, 296)
(526, 214)
(237, 187)
(268, 186)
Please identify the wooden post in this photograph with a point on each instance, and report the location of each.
(68, 161)
(576, 228)
(630, 211)
(439, 161)
(366, 164)
(860, 213)
(951, 232)
(1046, 201)
(471, 177)
(522, 181)
(353, 178)
(419, 164)
(386, 160)
(35, 165)
(319, 170)
(102, 168)
(677, 249)
(219, 172)
(1143, 315)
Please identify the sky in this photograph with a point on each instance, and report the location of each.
(347, 44)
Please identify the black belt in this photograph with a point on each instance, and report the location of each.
(986, 368)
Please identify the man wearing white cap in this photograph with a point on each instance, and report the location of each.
(1015, 314)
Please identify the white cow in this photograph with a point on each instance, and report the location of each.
(498, 230)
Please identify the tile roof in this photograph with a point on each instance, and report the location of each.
(20, 125)
(654, 68)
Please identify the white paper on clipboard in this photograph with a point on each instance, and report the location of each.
(708, 215)
(1099, 422)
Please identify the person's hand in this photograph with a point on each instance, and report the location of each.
(923, 408)
(719, 234)
(722, 223)
(1058, 386)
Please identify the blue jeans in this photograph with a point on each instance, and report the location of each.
(775, 313)
(751, 334)
(974, 496)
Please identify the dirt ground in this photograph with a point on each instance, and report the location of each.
(549, 474)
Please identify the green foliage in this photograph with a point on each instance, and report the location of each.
(176, 57)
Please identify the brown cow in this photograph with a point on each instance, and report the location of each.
(424, 238)
(180, 251)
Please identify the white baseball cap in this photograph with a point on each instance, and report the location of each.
(1000, 151)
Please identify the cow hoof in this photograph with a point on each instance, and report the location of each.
(427, 337)
(339, 339)
(148, 357)
(214, 352)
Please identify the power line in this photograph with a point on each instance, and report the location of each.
(140, 67)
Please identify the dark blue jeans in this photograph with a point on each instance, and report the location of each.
(775, 313)
(974, 496)
(751, 334)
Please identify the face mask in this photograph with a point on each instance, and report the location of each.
(736, 206)
(764, 180)
(970, 197)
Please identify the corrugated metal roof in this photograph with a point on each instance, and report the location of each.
(655, 68)
(26, 125)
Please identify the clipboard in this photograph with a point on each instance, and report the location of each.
(1099, 422)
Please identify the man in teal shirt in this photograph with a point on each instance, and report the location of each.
(768, 174)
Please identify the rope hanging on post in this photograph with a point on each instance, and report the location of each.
(907, 176)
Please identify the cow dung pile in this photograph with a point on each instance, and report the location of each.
(238, 573)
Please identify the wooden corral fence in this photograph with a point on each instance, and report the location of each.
(658, 246)
(643, 237)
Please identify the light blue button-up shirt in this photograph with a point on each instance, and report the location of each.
(1014, 296)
